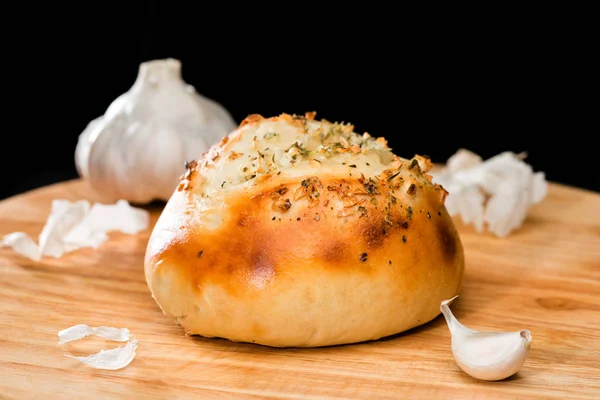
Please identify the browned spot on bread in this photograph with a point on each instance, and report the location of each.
(333, 251)
(446, 239)
(375, 232)
(230, 269)
(263, 268)
(251, 119)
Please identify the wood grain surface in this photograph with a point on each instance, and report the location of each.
(545, 277)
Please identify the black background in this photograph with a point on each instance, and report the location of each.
(429, 88)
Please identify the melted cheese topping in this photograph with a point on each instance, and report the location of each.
(291, 147)
(301, 154)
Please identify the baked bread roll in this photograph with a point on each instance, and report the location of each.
(293, 232)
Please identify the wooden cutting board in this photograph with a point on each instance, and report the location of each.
(545, 277)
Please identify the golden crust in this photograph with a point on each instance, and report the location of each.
(313, 260)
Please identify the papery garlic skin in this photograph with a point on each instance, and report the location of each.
(77, 332)
(138, 149)
(112, 359)
(489, 356)
(78, 224)
(495, 194)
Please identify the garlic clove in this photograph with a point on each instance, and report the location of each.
(489, 356)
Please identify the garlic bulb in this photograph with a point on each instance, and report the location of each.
(489, 356)
(137, 150)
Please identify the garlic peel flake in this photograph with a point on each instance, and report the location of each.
(489, 356)
(80, 331)
(22, 244)
(74, 225)
(103, 218)
(112, 359)
(496, 193)
(64, 216)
